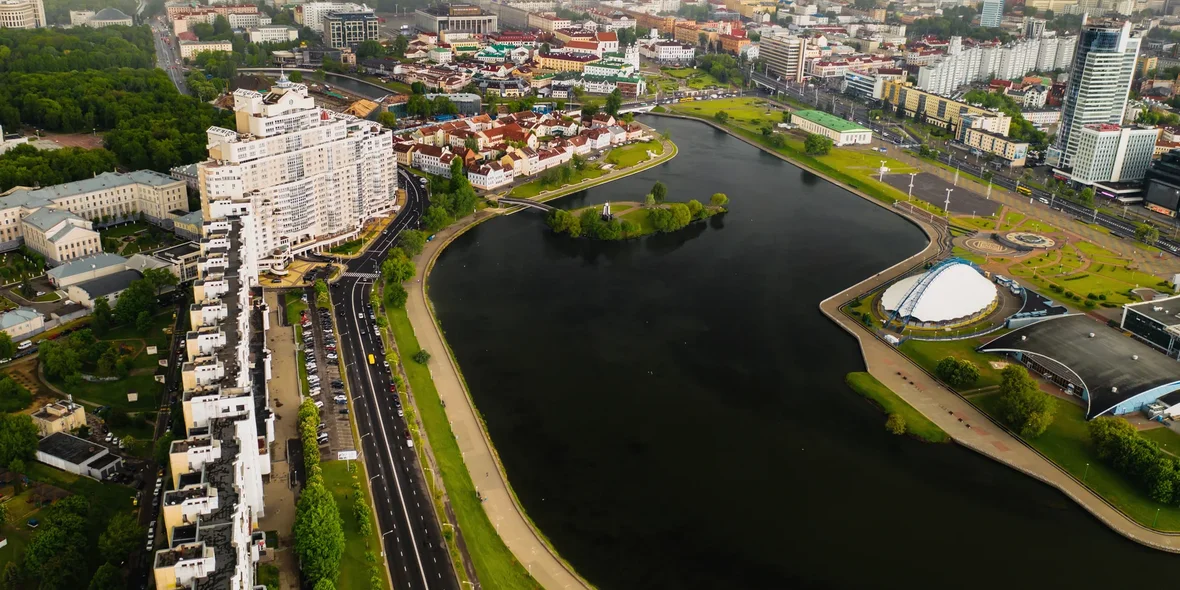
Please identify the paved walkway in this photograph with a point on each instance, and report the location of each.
(967, 425)
(478, 453)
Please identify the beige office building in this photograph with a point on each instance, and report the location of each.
(22, 14)
(60, 416)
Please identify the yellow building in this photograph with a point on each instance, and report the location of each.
(940, 111)
(60, 416)
(1014, 152)
(566, 62)
(1146, 64)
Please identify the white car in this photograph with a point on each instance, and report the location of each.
(319, 404)
(340, 399)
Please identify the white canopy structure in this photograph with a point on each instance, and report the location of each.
(947, 292)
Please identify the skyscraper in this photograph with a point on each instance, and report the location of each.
(1099, 82)
(309, 177)
(784, 56)
(991, 13)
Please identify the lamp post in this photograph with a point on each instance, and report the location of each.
(948, 202)
(910, 193)
(383, 535)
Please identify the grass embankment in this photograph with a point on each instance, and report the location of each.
(354, 565)
(536, 187)
(856, 168)
(637, 153)
(916, 424)
(695, 79)
(1067, 443)
(621, 158)
(495, 565)
(928, 353)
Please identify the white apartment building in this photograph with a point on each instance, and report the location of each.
(211, 513)
(312, 14)
(433, 160)
(490, 176)
(963, 66)
(242, 20)
(1113, 153)
(1098, 85)
(22, 14)
(272, 34)
(991, 13)
(312, 176)
(870, 84)
(57, 221)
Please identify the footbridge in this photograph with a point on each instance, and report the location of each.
(527, 203)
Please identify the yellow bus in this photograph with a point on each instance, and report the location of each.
(1024, 190)
(372, 361)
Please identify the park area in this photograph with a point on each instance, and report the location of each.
(135, 237)
(695, 79)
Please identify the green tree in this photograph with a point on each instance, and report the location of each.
(296, 77)
(139, 296)
(1022, 404)
(956, 372)
(103, 317)
(319, 532)
(649, 200)
(614, 101)
(370, 48)
(412, 242)
(1147, 233)
(564, 222)
(18, 438)
(396, 296)
(721, 117)
(163, 447)
(387, 119)
(680, 213)
(696, 209)
(817, 145)
(895, 424)
(399, 46)
(421, 357)
(435, 218)
(143, 321)
(1086, 197)
(108, 577)
(397, 268)
(324, 584)
(719, 200)
(120, 538)
(11, 578)
(660, 191)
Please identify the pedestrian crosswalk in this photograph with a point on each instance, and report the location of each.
(360, 275)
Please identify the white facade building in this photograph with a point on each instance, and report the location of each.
(1113, 153)
(22, 14)
(313, 176)
(311, 14)
(1098, 85)
(991, 13)
(272, 34)
(976, 64)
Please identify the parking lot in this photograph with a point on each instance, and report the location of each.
(323, 376)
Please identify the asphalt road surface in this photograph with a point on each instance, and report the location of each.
(411, 535)
(168, 54)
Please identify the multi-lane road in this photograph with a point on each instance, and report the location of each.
(411, 535)
(168, 54)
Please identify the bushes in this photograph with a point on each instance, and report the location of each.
(319, 532)
(1119, 444)
(957, 373)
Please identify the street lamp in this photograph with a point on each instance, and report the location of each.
(374, 477)
(948, 202)
(910, 193)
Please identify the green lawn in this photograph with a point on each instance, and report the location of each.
(1038, 226)
(114, 393)
(927, 354)
(984, 223)
(349, 247)
(494, 563)
(1011, 220)
(295, 305)
(636, 153)
(124, 230)
(47, 297)
(642, 218)
(1096, 252)
(967, 255)
(1167, 438)
(1067, 443)
(354, 569)
(534, 188)
(155, 335)
(916, 424)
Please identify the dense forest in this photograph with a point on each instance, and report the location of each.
(26, 165)
(57, 50)
(150, 124)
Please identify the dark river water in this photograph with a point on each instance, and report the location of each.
(672, 411)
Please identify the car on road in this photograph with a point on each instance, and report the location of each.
(409, 439)
(319, 404)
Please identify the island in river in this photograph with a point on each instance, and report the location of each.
(624, 220)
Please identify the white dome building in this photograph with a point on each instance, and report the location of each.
(950, 292)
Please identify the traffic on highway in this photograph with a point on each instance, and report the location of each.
(411, 534)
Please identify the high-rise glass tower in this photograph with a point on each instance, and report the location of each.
(1099, 82)
(991, 13)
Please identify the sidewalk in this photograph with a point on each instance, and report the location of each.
(967, 425)
(478, 453)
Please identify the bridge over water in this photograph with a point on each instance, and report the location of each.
(528, 203)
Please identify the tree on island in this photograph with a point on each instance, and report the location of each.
(817, 145)
(696, 209)
(719, 200)
(649, 200)
(1022, 403)
(660, 191)
(895, 424)
(956, 372)
(564, 222)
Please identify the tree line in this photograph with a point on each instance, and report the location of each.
(319, 530)
(26, 165)
(450, 198)
(1120, 445)
(662, 217)
(150, 124)
(398, 267)
(80, 48)
(1020, 130)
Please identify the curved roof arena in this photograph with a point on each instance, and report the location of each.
(946, 292)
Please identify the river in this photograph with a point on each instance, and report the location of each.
(672, 414)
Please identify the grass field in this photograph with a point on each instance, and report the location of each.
(349, 247)
(494, 563)
(354, 569)
(295, 306)
(1167, 438)
(1067, 443)
(983, 223)
(927, 354)
(534, 188)
(636, 153)
(1011, 220)
(642, 218)
(916, 424)
(1034, 225)
(696, 79)
(967, 255)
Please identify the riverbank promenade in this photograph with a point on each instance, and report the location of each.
(966, 424)
(478, 453)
